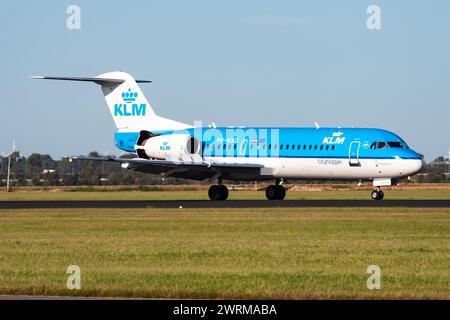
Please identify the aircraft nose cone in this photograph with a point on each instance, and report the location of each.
(417, 165)
(422, 164)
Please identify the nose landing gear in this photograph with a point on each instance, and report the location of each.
(377, 194)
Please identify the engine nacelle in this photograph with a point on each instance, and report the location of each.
(177, 147)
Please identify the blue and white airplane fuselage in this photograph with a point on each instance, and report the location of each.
(170, 148)
(297, 153)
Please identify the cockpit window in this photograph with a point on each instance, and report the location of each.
(381, 145)
(389, 144)
(395, 144)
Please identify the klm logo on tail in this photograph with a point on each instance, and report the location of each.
(129, 108)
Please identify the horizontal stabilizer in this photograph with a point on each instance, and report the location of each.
(100, 81)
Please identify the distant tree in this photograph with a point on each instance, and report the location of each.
(51, 179)
(70, 180)
(19, 169)
(128, 156)
(114, 178)
(90, 171)
(47, 162)
(34, 164)
(119, 178)
(36, 180)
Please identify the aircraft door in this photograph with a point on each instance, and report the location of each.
(353, 154)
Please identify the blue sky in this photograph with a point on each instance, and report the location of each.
(259, 63)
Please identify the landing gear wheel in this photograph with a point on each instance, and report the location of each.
(275, 192)
(377, 195)
(214, 192)
(218, 192)
(271, 192)
(223, 192)
(281, 192)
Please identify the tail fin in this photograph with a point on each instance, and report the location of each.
(126, 102)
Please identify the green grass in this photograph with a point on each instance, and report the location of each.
(234, 195)
(227, 253)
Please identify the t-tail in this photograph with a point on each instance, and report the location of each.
(127, 104)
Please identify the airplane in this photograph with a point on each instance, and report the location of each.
(171, 148)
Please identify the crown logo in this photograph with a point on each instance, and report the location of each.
(129, 96)
(337, 134)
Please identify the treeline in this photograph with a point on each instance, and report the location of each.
(436, 171)
(42, 170)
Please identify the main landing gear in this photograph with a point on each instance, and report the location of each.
(276, 191)
(377, 194)
(273, 192)
(218, 192)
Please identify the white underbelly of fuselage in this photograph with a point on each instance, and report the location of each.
(326, 168)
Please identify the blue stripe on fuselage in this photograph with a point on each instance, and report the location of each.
(338, 141)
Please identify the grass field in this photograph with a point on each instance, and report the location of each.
(234, 195)
(226, 253)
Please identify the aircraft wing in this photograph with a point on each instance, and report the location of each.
(196, 170)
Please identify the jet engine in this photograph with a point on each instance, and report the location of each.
(175, 147)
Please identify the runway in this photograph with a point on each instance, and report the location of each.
(221, 204)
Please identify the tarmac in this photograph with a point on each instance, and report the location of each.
(221, 204)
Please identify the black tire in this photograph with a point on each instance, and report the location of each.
(271, 192)
(218, 192)
(223, 192)
(377, 194)
(281, 192)
(214, 192)
(374, 195)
